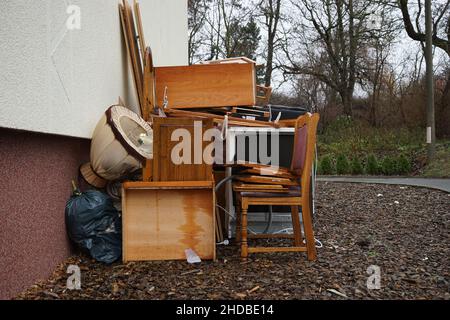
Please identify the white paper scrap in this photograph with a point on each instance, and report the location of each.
(191, 256)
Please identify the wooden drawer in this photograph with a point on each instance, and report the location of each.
(207, 85)
(162, 219)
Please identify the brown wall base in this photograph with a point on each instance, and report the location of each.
(35, 183)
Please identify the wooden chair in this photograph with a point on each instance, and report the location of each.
(289, 187)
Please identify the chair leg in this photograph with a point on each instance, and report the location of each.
(309, 234)
(244, 245)
(298, 239)
(238, 222)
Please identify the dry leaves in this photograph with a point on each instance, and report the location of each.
(409, 242)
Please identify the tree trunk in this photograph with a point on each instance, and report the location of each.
(352, 59)
(443, 119)
(272, 26)
(269, 65)
(347, 101)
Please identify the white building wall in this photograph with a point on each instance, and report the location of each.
(60, 81)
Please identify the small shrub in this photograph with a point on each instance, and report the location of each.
(388, 166)
(403, 165)
(326, 166)
(342, 165)
(372, 165)
(357, 167)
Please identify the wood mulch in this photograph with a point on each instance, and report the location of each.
(402, 230)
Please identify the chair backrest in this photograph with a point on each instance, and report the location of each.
(304, 145)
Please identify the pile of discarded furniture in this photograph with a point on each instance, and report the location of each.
(169, 207)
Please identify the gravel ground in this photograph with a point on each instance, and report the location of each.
(402, 230)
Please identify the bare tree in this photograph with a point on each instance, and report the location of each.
(271, 11)
(332, 34)
(230, 30)
(441, 24)
(383, 34)
(440, 39)
(197, 10)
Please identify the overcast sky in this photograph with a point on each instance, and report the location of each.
(402, 57)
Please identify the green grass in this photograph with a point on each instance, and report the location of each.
(355, 139)
(440, 166)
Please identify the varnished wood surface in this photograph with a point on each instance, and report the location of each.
(160, 223)
(207, 85)
(164, 168)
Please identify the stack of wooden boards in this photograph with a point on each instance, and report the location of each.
(211, 89)
(173, 208)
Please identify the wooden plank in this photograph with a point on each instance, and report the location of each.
(267, 180)
(275, 249)
(269, 172)
(124, 223)
(259, 186)
(253, 165)
(282, 201)
(237, 189)
(270, 236)
(147, 106)
(160, 224)
(140, 29)
(296, 226)
(149, 81)
(254, 187)
(156, 148)
(287, 123)
(168, 184)
(208, 85)
(130, 44)
(146, 94)
(219, 118)
(134, 38)
(232, 122)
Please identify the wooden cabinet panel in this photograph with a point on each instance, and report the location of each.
(162, 220)
(207, 85)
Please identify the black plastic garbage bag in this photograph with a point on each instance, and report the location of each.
(95, 225)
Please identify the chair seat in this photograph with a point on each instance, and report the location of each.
(259, 166)
(292, 192)
(268, 172)
(253, 179)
